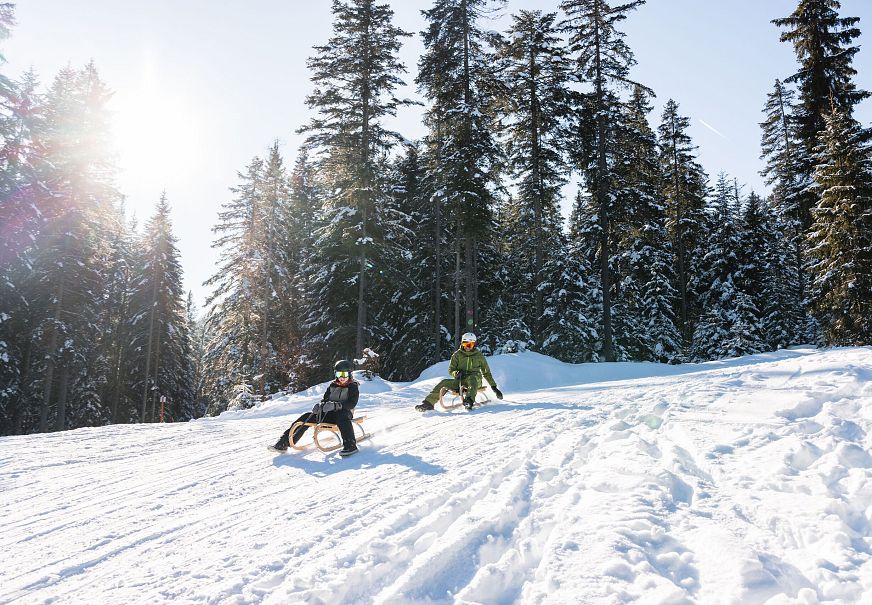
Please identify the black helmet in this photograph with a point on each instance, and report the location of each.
(343, 365)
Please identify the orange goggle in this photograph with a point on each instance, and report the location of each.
(467, 345)
(343, 374)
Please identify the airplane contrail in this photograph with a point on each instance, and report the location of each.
(710, 127)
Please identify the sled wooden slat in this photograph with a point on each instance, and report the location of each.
(319, 427)
(457, 399)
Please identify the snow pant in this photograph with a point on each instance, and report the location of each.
(341, 418)
(471, 382)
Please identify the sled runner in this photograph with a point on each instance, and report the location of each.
(326, 435)
(456, 400)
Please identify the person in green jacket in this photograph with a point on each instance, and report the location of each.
(468, 365)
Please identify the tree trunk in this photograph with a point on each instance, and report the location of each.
(361, 304)
(51, 351)
(468, 234)
(437, 284)
(457, 288)
(471, 289)
(118, 357)
(538, 227)
(679, 236)
(63, 380)
(21, 404)
(365, 185)
(150, 342)
(602, 197)
(267, 294)
(156, 390)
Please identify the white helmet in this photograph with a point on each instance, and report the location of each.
(468, 337)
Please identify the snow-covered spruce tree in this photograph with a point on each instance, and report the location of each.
(763, 273)
(70, 252)
(355, 75)
(159, 331)
(574, 307)
(730, 322)
(781, 150)
(603, 62)
(305, 199)
(685, 185)
(822, 41)
(841, 233)
(21, 221)
(197, 406)
(404, 317)
(534, 70)
(456, 76)
(116, 321)
(644, 297)
(232, 307)
(277, 282)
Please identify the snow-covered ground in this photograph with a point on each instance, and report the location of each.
(740, 481)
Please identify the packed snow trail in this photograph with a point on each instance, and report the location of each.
(740, 481)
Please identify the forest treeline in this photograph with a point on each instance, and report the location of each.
(368, 241)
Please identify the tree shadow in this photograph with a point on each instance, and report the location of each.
(368, 457)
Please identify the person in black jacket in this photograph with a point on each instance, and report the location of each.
(336, 407)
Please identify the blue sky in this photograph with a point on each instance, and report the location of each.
(201, 86)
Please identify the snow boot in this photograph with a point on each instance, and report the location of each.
(424, 406)
(281, 445)
(348, 450)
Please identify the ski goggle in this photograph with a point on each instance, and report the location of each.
(343, 374)
(467, 345)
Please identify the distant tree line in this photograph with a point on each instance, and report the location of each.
(370, 240)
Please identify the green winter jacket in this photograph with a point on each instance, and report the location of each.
(469, 362)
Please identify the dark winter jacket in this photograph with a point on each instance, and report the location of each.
(346, 395)
(470, 362)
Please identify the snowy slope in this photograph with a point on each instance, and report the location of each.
(740, 481)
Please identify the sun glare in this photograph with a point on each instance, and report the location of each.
(156, 132)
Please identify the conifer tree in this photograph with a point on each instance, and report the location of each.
(70, 256)
(685, 187)
(405, 317)
(456, 75)
(198, 358)
(730, 322)
(274, 274)
(535, 71)
(645, 295)
(782, 152)
(604, 61)
(841, 235)
(764, 272)
(355, 75)
(231, 321)
(300, 298)
(116, 320)
(822, 41)
(160, 327)
(574, 308)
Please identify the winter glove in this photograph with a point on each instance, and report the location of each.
(498, 393)
(329, 406)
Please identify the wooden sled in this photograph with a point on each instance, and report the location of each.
(319, 429)
(457, 397)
